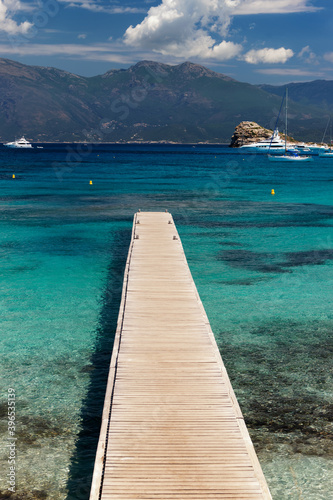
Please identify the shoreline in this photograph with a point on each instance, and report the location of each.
(162, 143)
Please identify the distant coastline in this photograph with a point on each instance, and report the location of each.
(151, 143)
(150, 103)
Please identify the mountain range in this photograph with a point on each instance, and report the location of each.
(150, 101)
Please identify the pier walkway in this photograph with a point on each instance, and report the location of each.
(171, 425)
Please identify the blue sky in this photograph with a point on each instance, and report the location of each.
(255, 41)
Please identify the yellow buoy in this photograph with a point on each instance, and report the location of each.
(13, 176)
(272, 192)
(90, 182)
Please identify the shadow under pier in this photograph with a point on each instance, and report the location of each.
(82, 463)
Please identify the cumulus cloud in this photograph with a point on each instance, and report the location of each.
(186, 28)
(8, 9)
(268, 56)
(195, 28)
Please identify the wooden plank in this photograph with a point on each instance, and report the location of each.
(171, 425)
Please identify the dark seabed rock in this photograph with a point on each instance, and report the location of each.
(282, 379)
(36, 427)
(265, 262)
(24, 495)
(230, 243)
(22, 269)
(295, 442)
(3, 409)
(10, 245)
(253, 261)
(308, 258)
(87, 369)
(245, 282)
(31, 429)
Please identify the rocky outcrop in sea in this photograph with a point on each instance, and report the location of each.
(248, 132)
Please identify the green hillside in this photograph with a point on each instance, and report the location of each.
(147, 102)
(318, 93)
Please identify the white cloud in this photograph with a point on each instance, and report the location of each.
(92, 52)
(246, 7)
(290, 72)
(268, 56)
(203, 47)
(305, 50)
(308, 56)
(17, 5)
(8, 9)
(97, 6)
(82, 36)
(186, 28)
(329, 56)
(195, 28)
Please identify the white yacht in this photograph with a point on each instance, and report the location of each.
(290, 154)
(20, 143)
(274, 144)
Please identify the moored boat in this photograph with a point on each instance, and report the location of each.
(316, 149)
(274, 144)
(328, 153)
(289, 155)
(303, 148)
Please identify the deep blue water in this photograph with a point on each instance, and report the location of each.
(262, 265)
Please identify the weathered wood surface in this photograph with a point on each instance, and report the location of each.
(172, 427)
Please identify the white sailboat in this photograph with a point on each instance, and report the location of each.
(329, 153)
(289, 155)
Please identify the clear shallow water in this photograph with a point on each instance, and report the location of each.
(262, 265)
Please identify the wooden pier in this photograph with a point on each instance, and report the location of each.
(171, 425)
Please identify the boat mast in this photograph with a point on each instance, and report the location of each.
(276, 124)
(328, 122)
(285, 137)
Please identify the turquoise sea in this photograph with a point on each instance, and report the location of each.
(263, 266)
